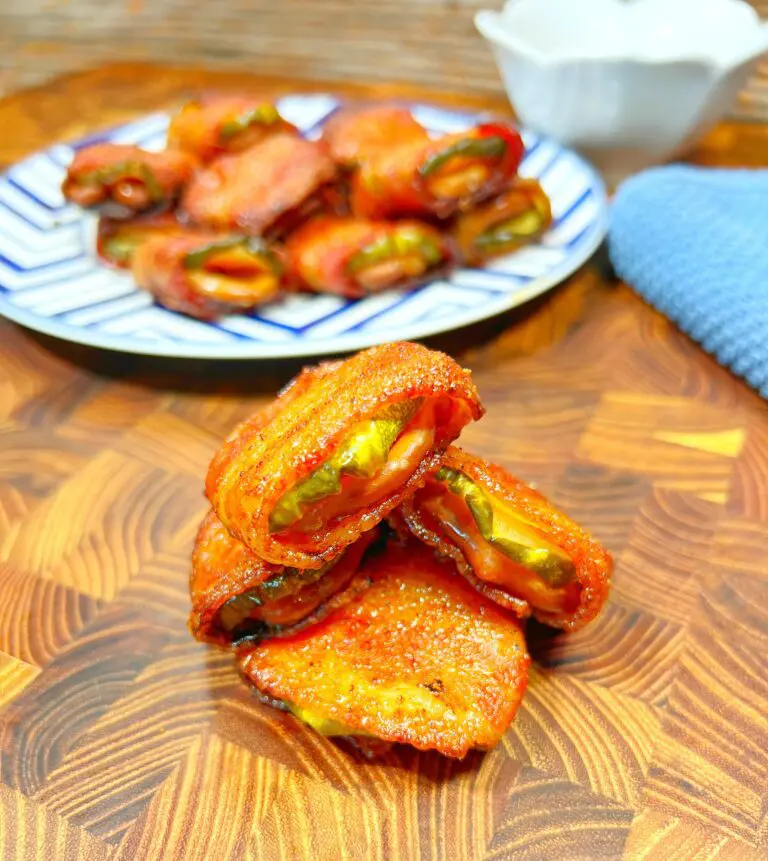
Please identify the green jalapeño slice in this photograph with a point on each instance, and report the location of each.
(403, 242)
(510, 533)
(264, 115)
(363, 453)
(127, 170)
(483, 147)
(238, 610)
(511, 231)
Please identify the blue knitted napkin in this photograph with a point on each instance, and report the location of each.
(694, 243)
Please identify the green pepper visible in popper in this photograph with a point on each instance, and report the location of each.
(239, 608)
(264, 115)
(511, 534)
(472, 147)
(511, 231)
(126, 170)
(251, 245)
(400, 243)
(363, 453)
(119, 249)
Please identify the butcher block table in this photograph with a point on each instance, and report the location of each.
(644, 736)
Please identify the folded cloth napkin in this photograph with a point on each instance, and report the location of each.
(694, 243)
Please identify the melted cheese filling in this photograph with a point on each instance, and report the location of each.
(489, 563)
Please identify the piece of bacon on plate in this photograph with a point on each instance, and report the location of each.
(206, 275)
(213, 125)
(518, 215)
(356, 133)
(509, 541)
(356, 257)
(339, 455)
(121, 180)
(437, 177)
(266, 190)
(414, 655)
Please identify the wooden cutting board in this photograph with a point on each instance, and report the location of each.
(645, 736)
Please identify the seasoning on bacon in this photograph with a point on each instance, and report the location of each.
(269, 188)
(510, 542)
(414, 656)
(356, 257)
(339, 455)
(205, 275)
(122, 180)
(213, 125)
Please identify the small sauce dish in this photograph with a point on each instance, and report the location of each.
(629, 83)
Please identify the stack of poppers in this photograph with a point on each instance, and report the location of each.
(240, 208)
(371, 577)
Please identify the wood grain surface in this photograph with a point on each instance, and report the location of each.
(642, 737)
(429, 42)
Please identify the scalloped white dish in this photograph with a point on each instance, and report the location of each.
(626, 82)
(51, 281)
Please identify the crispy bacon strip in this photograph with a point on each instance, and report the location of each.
(117, 240)
(237, 596)
(213, 125)
(437, 177)
(253, 191)
(356, 257)
(355, 134)
(206, 276)
(122, 180)
(338, 456)
(510, 542)
(417, 657)
(518, 215)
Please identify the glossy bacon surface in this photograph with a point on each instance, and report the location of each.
(592, 563)
(213, 125)
(251, 191)
(416, 656)
(256, 467)
(355, 134)
(123, 180)
(399, 181)
(322, 251)
(117, 239)
(224, 569)
(524, 207)
(209, 290)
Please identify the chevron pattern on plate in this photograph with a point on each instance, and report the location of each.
(51, 281)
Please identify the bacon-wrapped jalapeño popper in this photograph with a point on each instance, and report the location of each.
(355, 134)
(355, 257)
(122, 180)
(211, 126)
(268, 188)
(118, 239)
(414, 656)
(437, 177)
(519, 214)
(337, 457)
(237, 596)
(205, 275)
(510, 542)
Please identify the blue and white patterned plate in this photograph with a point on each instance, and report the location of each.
(51, 281)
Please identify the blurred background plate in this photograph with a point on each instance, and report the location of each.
(50, 280)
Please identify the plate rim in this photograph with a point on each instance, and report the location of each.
(298, 348)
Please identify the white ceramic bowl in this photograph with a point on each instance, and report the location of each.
(627, 82)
